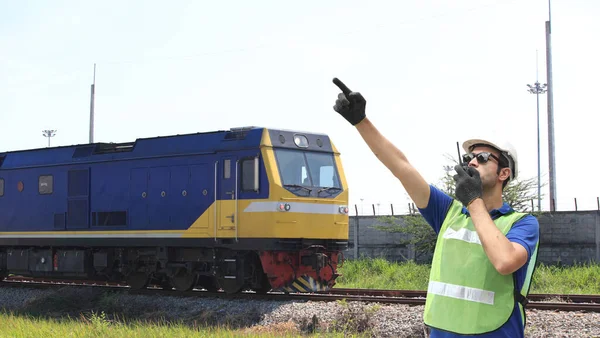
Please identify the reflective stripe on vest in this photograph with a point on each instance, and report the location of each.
(461, 292)
(466, 295)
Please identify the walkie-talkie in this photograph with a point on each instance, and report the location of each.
(460, 161)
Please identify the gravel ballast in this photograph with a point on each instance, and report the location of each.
(377, 320)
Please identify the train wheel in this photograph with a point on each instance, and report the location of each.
(184, 281)
(138, 280)
(230, 286)
(165, 285)
(162, 282)
(208, 283)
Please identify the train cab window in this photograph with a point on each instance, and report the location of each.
(1, 187)
(250, 174)
(227, 169)
(46, 184)
(327, 177)
(322, 170)
(293, 167)
(301, 170)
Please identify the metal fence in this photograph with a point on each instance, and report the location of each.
(391, 209)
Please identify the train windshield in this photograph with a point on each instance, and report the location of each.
(308, 173)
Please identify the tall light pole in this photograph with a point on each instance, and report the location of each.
(538, 89)
(550, 96)
(49, 134)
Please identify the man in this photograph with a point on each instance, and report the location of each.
(485, 251)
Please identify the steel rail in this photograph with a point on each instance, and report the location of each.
(590, 303)
(574, 298)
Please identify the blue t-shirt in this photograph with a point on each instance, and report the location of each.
(524, 232)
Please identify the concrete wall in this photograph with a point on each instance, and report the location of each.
(569, 237)
(566, 237)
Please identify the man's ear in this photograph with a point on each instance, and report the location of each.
(504, 174)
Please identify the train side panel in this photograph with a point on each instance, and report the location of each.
(140, 195)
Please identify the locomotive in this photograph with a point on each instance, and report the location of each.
(248, 208)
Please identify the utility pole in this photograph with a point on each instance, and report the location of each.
(551, 161)
(49, 134)
(538, 89)
(92, 99)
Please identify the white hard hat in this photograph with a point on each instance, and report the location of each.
(506, 149)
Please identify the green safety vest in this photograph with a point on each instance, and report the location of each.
(466, 295)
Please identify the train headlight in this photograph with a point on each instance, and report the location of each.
(283, 207)
(301, 141)
(344, 210)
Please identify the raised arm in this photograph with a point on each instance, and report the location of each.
(351, 105)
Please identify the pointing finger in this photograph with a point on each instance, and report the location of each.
(341, 86)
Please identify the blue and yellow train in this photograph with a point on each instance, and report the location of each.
(245, 208)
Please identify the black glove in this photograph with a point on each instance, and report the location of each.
(468, 184)
(351, 105)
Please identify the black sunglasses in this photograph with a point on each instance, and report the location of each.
(482, 157)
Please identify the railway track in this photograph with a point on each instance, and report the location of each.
(558, 302)
(539, 297)
(550, 302)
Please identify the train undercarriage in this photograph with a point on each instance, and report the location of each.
(313, 268)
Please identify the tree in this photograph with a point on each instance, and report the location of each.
(418, 233)
(518, 194)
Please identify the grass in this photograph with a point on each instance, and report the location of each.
(578, 279)
(98, 325)
(377, 273)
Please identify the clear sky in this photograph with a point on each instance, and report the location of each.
(433, 73)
